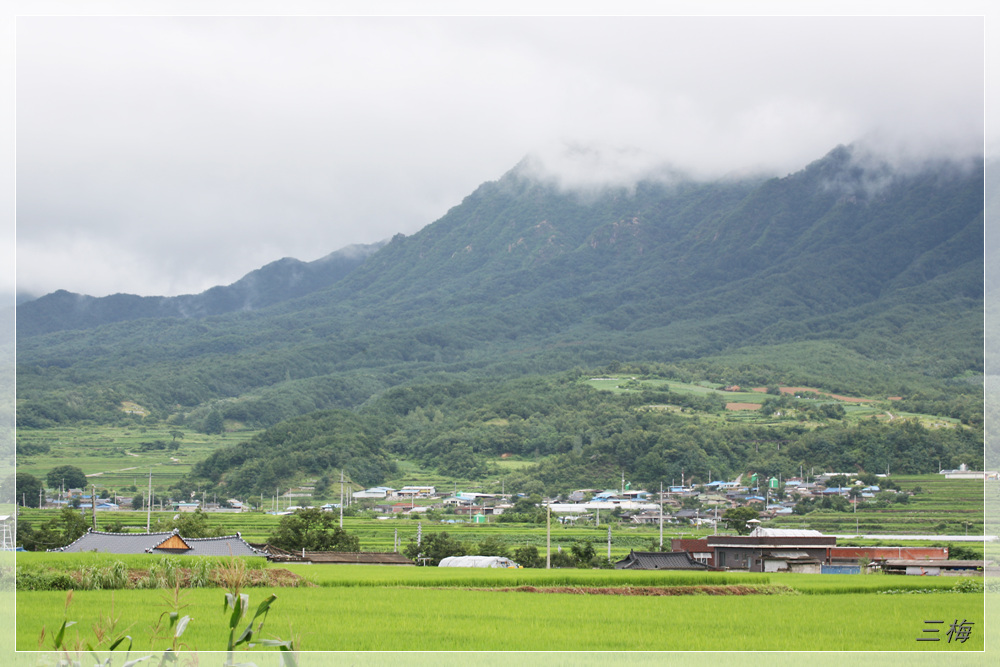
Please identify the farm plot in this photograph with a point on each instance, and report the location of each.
(119, 457)
(937, 506)
(742, 405)
(453, 619)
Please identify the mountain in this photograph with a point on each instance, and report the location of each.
(849, 273)
(278, 281)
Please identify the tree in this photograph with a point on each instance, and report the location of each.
(863, 563)
(313, 530)
(66, 476)
(57, 532)
(492, 546)
(528, 556)
(115, 526)
(192, 524)
(561, 559)
(322, 486)
(435, 548)
(27, 488)
(527, 509)
(736, 519)
(214, 423)
(583, 554)
(963, 552)
(837, 481)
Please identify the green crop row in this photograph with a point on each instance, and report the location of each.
(390, 619)
(74, 561)
(382, 576)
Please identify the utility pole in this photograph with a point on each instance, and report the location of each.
(341, 497)
(661, 524)
(149, 499)
(857, 531)
(609, 544)
(548, 537)
(93, 506)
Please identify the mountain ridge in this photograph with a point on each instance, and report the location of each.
(274, 282)
(522, 275)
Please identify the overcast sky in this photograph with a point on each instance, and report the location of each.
(162, 156)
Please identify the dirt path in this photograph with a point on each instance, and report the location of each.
(652, 590)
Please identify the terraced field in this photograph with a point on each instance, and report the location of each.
(118, 457)
(939, 506)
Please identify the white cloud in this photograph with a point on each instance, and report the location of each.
(165, 155)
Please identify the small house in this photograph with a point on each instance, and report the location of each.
(657, 560)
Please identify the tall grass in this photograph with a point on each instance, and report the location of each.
(93, 571)
(76, 561)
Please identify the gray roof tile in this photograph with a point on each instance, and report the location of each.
(655, 560)
(138, 543)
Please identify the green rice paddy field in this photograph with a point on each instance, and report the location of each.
(385, 608)
(391, 619)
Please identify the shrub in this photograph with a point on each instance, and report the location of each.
(35, 580)
(969, 586)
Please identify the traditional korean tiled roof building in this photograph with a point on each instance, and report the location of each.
(168, 543)
(656, 560)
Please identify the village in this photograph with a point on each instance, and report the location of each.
(732, 510)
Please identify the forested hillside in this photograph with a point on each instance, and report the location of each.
(857, 278)
(848, 275)
(576, 436)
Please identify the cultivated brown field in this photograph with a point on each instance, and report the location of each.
(798, 390)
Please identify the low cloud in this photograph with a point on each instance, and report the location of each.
(167, 155)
